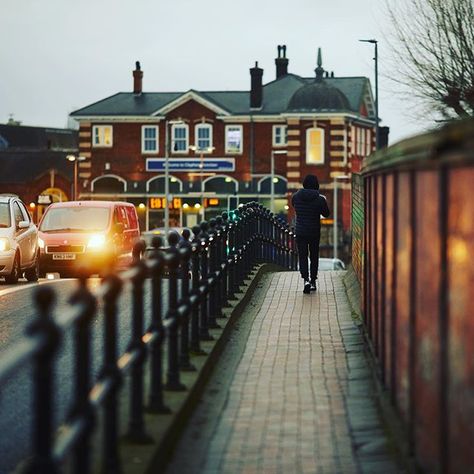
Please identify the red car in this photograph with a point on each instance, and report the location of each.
(87, 235)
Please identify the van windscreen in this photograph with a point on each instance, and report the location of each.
(75, 219)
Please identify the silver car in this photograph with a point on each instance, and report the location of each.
(19, 251)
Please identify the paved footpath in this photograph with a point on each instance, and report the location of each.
(293, 392)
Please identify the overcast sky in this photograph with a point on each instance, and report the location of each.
(60, 55)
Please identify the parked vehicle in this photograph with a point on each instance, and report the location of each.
(19, 251)
(89, 236)
(331, 264)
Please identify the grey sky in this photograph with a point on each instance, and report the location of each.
(60, 55)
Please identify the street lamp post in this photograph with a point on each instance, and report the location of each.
(375, 43)
(272, 173)
(168, 143)
(75, 159)
(335, 230)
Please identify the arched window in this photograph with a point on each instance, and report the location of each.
(156, 185)
(315, 146)
(279, 185)
(109, 184)
(220, 185)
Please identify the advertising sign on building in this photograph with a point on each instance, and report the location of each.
(191, 164)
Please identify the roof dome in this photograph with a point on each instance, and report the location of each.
(318, 95)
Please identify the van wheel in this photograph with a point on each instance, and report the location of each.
(33, 273)
(15, 273)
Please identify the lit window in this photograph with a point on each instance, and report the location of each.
(280, 135)
(203, 137)
(233, 139)
(102, 135)
(149, 139)
(315, 146)
(180, 138)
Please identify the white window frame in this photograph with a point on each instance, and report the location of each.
(283, 134)
(155, 127)
(101, 128)
(173, 140)
(229, 151)
(323, 148)
(196, 138)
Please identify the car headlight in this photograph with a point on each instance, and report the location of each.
(40, 243)
(96, 241)
(4, 244)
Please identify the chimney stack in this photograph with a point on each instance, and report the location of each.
(256, 88)
(281, 62)
(137, 79)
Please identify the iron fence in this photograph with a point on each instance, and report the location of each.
(203, 272)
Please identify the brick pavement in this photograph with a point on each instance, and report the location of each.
(301, 399)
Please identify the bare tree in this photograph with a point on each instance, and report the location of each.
(434, 51)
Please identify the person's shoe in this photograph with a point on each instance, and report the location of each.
(312, 286)
(307, 287)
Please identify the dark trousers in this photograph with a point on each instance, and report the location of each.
(308, 246)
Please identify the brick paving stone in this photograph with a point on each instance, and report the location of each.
(300, 399)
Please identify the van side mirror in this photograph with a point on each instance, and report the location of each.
(119, 227)
(23, 225)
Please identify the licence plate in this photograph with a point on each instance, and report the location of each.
(64, 256)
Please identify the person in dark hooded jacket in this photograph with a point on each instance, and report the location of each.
(309, 206)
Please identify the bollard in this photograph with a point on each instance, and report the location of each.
(111, 460)
(136, 426)
(185, 250)
(82, 342)
(172, 261)
(43, 327)
(156, 403)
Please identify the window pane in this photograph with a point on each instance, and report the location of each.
(315, 146)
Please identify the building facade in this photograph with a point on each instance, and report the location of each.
(222, 148)
(34, 164)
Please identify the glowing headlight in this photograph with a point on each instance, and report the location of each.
(40, 243)
(96, 241)
(4, 244)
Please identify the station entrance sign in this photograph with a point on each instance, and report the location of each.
(191, 164)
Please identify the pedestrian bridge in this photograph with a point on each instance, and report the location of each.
(290, 385)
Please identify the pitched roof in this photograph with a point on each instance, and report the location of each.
(276, 96)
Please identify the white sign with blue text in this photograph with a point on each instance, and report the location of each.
(191, 164)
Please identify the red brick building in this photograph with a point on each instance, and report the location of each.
(220, 144)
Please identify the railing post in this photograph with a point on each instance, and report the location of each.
(156, 403)
(111, 461)
(212, 276)
(220, 274)
(204, 326)
(45, 328)
(136, 426)
(195, 344)
(224, 259)
(231, 260)
(82, 341)
(185, 246)
(173, 259)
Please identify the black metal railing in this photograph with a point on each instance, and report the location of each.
(202, 273)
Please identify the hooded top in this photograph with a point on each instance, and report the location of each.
(309, 207)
